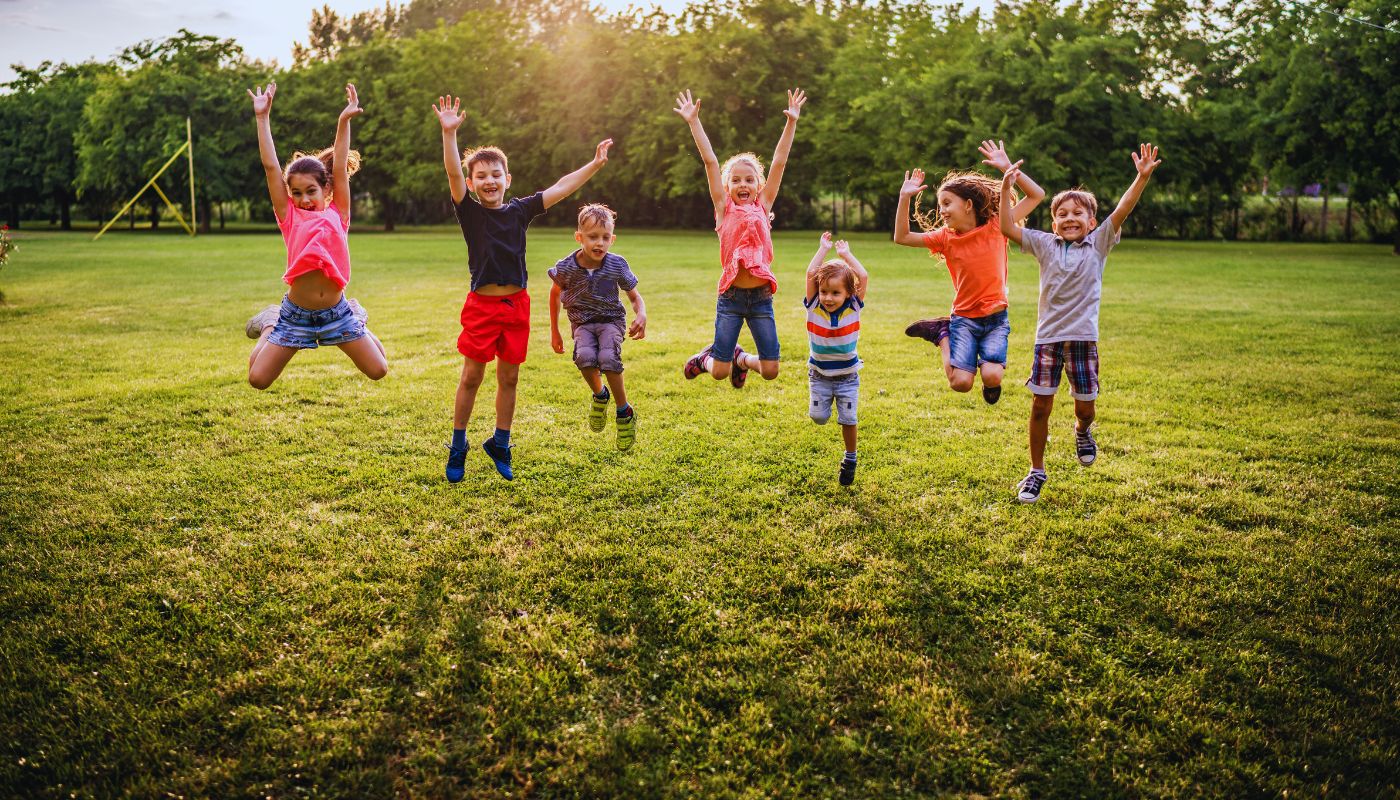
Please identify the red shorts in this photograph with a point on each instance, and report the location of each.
(493, 326)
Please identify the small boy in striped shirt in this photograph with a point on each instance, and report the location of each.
(835, 298)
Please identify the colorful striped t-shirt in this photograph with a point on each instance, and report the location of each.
(832, 336)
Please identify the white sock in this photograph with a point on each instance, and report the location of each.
(709, 364)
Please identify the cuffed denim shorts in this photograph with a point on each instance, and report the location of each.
(841, 391)
(973, 340)
(737, 306)
(306, 329)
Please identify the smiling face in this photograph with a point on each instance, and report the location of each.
(956, 212)
(489, 180)
(1072, 220)
(743, 183)
(306, 192)
(594, 240)
(832, 293)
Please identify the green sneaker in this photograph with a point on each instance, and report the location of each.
(627, 431)
(598, 412)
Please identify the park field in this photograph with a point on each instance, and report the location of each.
(208, 591)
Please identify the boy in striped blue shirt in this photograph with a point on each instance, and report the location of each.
(835, 298)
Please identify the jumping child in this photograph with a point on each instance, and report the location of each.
(742, 201)
(496, 314)
(312, 202)
(586, 283)
(970, 242)
(1071, 260)
(834, 302)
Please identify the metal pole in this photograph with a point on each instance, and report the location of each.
(148, 185)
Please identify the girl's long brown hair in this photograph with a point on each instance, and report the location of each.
(319, 165)
(983, 191)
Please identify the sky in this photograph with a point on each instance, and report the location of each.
(76, 30)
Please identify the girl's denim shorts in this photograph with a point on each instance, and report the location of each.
(306, 329)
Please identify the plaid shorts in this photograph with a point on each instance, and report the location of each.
(1079, 359)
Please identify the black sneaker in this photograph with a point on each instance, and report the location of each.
(848, 472)
(1029, 490)
(1085, 447)
(991, 394)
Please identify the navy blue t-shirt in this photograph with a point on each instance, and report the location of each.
(496, 238)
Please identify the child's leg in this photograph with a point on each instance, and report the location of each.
(1041, 405)
(728, 321)
(268, 361)
(368, 355)
(472, 374)
(991, 348)
(959, 352)
(765, 335)
(592, 377)
(848, 435)
(610, 336)
(619, 392)
(992, 373)
(1083, 415)
(507, 376)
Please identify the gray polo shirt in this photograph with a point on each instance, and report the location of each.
(1071, 282)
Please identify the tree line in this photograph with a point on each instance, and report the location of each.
(1269, 114)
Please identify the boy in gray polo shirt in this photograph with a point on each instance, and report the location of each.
(1071, 263)
(586, 284)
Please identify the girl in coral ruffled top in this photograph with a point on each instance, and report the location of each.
(743, 203)
(312, 202)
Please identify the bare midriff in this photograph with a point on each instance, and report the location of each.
(745, 280)
(314, 291)
(497, 289)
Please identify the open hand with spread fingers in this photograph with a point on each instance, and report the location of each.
(449, 112)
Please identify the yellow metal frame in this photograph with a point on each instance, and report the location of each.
(188, 150)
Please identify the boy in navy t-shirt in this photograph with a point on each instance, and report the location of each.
(587, 283)
(496, 315)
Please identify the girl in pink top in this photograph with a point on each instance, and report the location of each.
(743, 220)
(312, 202)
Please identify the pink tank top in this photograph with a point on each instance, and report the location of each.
(316, 241)
(745, 240)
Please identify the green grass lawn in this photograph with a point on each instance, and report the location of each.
(208, 591)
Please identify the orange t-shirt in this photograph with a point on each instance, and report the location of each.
(977, 262)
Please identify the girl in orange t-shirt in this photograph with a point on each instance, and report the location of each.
(743, 202)
(312, 202)
(969, 240)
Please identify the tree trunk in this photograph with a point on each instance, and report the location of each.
(388, 211)
(12, 216)
(204, 216)
(1326, 198)
(1210, 217)
(1348, 223)
(65, 213)
(155, 217)
(221, 216)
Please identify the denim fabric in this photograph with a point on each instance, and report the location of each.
(599, 345)
(973, 340)
(306, 329)
(734, 308)
(842, 391)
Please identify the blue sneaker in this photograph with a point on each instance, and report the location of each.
(501, 457)
(456, 463)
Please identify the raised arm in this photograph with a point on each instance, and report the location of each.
(340, 169)
(571, 183)
(638, 328)
(689, 109)
(1146, 161)
(994, 155)
(818, 258)
(843, 249)
(1005, 212)
(796, 99)
(913, 184)
(262, 113)
(450, 117)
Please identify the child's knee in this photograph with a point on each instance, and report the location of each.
(819, 415)
(960, 382)
(471, 381)
(259, 381)
(768, 369)
(721, 370)
(377, 371)
(585, 360)
(1041, 407)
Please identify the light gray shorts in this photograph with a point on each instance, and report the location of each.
(599, 345)
(842, 391)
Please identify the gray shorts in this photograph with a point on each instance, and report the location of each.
(843, 391)
(599, 345)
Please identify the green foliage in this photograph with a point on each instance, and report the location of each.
(209, 591)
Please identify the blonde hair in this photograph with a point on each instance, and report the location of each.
(1078, 196)
(319, 165)
(489, 154)
(984, 192)
(742, 158)
(838, 270)
(596, 214)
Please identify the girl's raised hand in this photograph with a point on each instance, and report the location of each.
(449, 112)
(843, 248)
(994, 154)
(687, 106)
(1008, 180)
(825, 243)
(913, 183)
(1146, 159)
(352, 103)
(796, 99)
(262, 99)
(601, 154)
